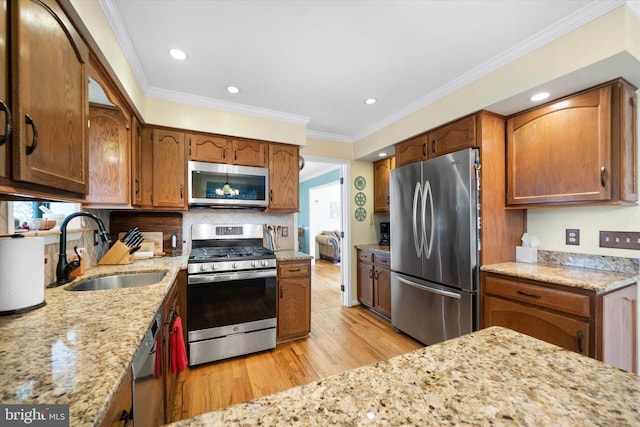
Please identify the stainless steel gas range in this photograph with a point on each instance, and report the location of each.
(231, 292)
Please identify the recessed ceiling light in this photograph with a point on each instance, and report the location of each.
(539, 96)
(370, 101)
(382, 154)
(178, 54)
(232, 89)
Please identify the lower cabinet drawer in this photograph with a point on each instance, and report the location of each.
(294, 269)
(565, 301)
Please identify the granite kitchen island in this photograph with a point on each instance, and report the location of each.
(491, 377)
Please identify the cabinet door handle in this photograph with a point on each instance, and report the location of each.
(528, 295)
(281, 293)
(271, 195)
(433, 146)
(370, 273)
(387, 200)
(235, 154)
(9, 128)
(181, 196)
(34, 142)
(224, 153)
(137, 186)
(126, 417)
(580, 337)
(424, 148)
(603, 176)
(375, 276)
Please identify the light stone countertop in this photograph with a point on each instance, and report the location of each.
(292, 255)
(384, 249)
(491, 377)
(600, 281)
(78, 347)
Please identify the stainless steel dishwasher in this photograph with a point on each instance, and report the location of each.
(148, 391)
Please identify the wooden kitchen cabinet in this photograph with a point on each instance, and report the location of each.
(412, 150)
(222, 149)
(580, 149)
(601, 326)
(119, 413)
(141, 165)
(49, 97)
(284, 178)
(294, 299)
(453, 136)
(169, 169)
(174, 305)
(5, 102)
(381, 170)
(374, 281)
(109, 158)
(109, 142)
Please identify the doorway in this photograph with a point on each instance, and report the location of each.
(324, 207)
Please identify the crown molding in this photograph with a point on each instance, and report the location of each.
(329, 136)
(232, 107)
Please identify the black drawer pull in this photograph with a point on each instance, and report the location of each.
(9, 129)
(34, 141)
(580, 337)
(528, 295)
(297, 270)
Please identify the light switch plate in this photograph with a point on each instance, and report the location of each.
(620, 239)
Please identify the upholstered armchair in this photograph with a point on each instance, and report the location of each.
(329, 244)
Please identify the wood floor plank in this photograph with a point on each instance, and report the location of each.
(341, 339)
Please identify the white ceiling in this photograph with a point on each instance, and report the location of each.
(315, 62)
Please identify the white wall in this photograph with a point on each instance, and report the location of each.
(322, 215)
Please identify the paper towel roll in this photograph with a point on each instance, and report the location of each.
(21, 274)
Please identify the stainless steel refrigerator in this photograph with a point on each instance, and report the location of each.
(435, 225)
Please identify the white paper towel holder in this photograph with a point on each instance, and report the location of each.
(18, 297)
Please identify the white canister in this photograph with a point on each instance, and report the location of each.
(21, 274)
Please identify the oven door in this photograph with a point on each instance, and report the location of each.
(221, 304)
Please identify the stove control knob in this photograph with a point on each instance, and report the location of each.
(214, 266)
(253, 264)
(264, 263)
(203, 267)
(234, 265)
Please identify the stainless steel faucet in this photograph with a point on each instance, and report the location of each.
(64, 268)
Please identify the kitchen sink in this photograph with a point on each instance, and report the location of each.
(118, 281)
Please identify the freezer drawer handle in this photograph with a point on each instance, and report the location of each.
(434, 291)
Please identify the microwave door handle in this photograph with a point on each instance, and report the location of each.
(416, 194)
(432, 290)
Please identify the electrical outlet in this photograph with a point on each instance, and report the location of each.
(285, 231)
(572, 236)
(620, 239)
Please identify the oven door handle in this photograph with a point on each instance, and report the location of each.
(227, 277)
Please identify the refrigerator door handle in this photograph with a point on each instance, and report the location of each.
(428, 240)
(419, 247)
(434, 291)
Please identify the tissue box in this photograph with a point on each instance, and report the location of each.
(524, 254)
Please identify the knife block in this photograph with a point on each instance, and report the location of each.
(118, 254)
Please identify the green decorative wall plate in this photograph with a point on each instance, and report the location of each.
(360, 183)
(360, 198)
(360, 214)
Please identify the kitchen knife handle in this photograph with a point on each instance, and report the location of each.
(9, 128)
(603, 176)
(34, 142)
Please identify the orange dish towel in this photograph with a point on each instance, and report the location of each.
(178, 350)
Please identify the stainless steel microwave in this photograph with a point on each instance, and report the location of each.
(230, 186)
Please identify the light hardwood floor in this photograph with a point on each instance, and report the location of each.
(341, 339)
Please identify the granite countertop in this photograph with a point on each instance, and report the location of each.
(385, 249)
(77, 348)
(491, 377)
(600, 281)
(291, 255)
